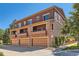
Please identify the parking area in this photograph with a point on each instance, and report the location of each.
(10, 50)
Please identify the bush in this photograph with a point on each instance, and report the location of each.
(71, 48)
(59, 41)
(1, 54)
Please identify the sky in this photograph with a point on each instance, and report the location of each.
(11, 11)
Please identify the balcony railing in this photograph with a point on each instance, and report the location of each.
(23, 35)
(39, 33)
(13, 36)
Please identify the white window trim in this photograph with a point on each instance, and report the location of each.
(19, 24)
(29, 20)
(45, 14)
(24, 22)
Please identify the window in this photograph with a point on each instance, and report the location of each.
(19, 24)
(13, 32)
(55, 15)
(38, 18)
(16, 26)
(29, 21)
(23, 31)
(46, 17)
(39, 28)
(22, 24)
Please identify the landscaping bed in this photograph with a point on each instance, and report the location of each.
(72, 47)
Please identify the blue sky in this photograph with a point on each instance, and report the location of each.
(11, 11)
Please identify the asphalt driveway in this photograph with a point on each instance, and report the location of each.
(66, 53)
(10, 50)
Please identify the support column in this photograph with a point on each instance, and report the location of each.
(49, 29)
(17, 38)
(10, 36)
(30, 35)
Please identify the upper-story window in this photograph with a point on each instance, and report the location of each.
(19, 24)
(29, 21)
(22, 24)
(38, 18)
(55, 15)
(46, 16)
(23, 31)
(16, 26)
(13, 32)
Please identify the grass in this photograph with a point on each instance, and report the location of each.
(72, 47)
(1, 54)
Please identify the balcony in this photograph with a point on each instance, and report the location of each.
(13, 36)
(39, 33)
(23, 35)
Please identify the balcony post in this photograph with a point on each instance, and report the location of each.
(17, 33)
(30, 35)
(49, 28)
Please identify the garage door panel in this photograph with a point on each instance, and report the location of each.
(15, 42)
(39, 41)
(24, 42)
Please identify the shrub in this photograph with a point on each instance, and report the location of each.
(1, 54)
(59, 41)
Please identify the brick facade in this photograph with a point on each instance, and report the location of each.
(41, 32)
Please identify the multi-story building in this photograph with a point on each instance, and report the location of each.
(39, 29)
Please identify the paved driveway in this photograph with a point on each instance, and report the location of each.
(61, 52)
(10, 50)
(66, 53)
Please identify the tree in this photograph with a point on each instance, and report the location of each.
(12, 25)
(71, 27)
(1, 34)
(6, 38)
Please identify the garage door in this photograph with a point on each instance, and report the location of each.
(39, 42)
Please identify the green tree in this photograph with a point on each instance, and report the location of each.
(1, 34)
(71, 27)
(12, 25)
(6, 39)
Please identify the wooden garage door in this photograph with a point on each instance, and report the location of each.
(24, 41)
(15, 42)
(42, 42)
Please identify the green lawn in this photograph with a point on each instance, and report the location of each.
(72, 47)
